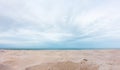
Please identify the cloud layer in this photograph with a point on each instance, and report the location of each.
(30, 22)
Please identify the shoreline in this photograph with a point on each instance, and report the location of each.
(59, 48)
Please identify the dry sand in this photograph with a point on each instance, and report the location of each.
(60, 60)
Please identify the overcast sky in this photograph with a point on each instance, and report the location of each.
(60, 23)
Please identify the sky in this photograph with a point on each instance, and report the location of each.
(59, 23)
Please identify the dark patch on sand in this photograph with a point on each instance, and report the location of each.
(5, 67)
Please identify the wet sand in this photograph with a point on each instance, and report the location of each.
(59, 59)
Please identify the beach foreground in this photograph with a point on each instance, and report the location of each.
(59, 59)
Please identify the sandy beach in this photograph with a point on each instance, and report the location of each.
(59, 59)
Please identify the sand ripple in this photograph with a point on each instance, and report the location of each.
(68, 65)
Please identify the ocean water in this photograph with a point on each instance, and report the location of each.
(60, 48)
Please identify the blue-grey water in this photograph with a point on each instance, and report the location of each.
(60, 48)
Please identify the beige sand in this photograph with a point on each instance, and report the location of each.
(64, 66)
(60, 60)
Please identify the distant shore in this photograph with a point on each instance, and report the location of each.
(59, 48)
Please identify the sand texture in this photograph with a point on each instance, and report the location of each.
(59, 59)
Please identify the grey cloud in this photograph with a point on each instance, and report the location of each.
(56, 16)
